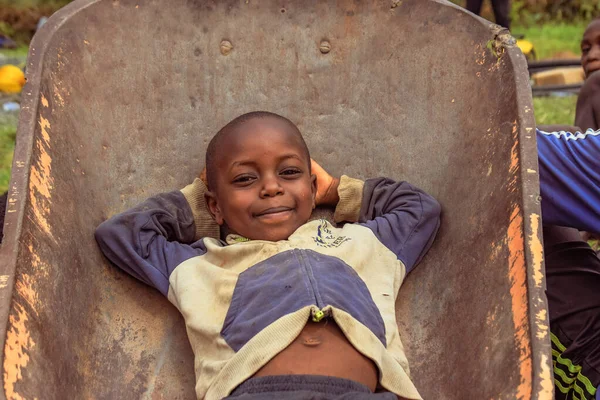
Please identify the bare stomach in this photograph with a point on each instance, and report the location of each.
(322, 349)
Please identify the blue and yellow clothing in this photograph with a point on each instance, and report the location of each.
(244, 301)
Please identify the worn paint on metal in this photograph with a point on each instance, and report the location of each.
(58, 96)
(40, 182)
(518, 293)
(18, 338)
(546, 381)
(39, 268)
(537, 250)
(480, 54)
(492, 316)
(13, 198)
(25, 289)
(541, 327)
(514, 154)
(541, 324)
(517, 271)
(16, 347)
(496, 249)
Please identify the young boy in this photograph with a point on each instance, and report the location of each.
(282, 307)
(587, 114)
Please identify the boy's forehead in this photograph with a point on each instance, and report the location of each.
(592, 29)
(259, 133)
(255, 131)
(256, 125)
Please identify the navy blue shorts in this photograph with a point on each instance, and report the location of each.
(305, 387)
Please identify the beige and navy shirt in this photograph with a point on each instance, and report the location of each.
(244, 301)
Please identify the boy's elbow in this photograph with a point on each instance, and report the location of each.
(428, 228)
(104, 232)
(432, 209)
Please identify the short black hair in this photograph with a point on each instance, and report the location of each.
(215, 145)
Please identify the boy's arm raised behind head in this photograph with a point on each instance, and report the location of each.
(150, 240)
(205, 224)
(404, 218)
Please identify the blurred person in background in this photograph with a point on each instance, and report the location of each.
(501, 10)
(587, 113)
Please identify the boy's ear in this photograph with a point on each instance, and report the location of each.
(213, 207)
(313, 185)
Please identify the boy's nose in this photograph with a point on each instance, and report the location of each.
(594, 53)
(271, 187)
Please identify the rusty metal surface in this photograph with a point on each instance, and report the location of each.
(122, 98)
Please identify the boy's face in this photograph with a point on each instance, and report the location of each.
(264, 189)
(590, 48)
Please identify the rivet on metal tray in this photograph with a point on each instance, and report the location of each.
(226, 47)
(325, 47)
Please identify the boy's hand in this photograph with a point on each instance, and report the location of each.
(327, 186)
(203, 176)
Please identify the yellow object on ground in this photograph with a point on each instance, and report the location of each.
(12, 79)
(527, 48)
(559, 76)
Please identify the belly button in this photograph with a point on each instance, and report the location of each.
(312, 341)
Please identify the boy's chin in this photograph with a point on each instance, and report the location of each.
(271, 233)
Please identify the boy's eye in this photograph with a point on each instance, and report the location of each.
(244, 179)
(291, 172)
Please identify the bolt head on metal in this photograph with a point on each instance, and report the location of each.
(226, 47)
(325, 47)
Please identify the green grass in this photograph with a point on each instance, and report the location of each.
(550, 39)
(8, 130)
(19, 52)
(555, 110)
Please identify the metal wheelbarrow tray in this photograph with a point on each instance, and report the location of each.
(121, 101)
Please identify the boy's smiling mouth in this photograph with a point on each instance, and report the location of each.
(275, 214)
(592, 66)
